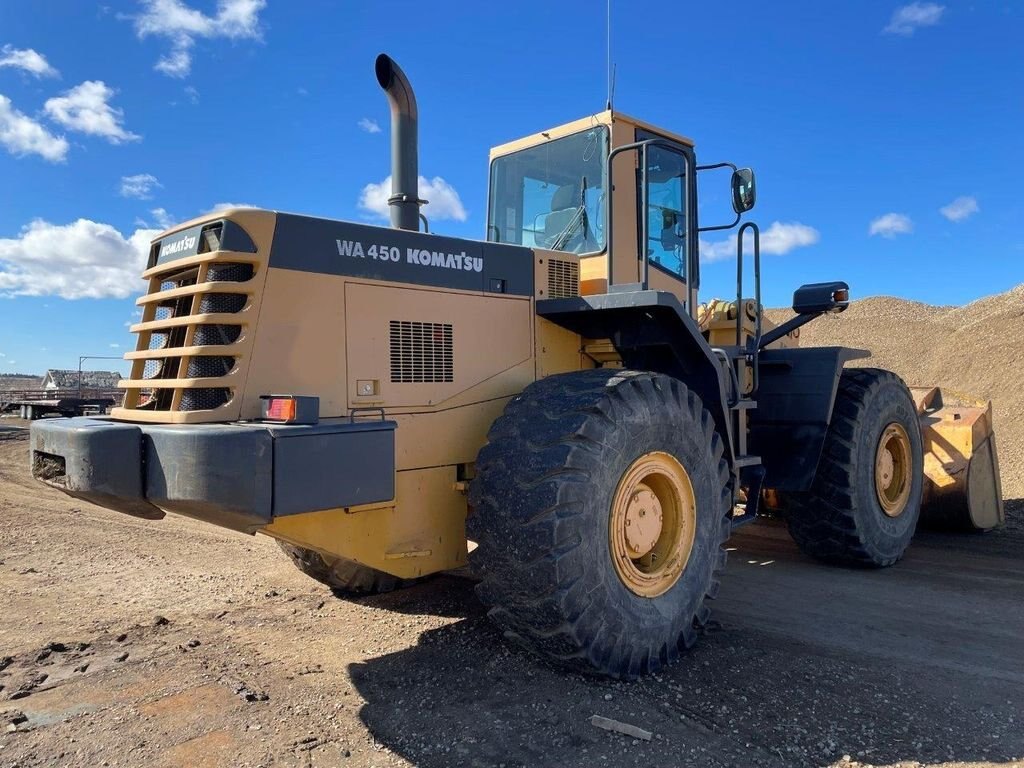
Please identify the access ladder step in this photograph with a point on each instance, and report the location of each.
(747, 461)
(745, 404)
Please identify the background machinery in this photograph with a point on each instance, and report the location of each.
(377, 399)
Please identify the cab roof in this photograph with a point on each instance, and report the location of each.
(608, 117)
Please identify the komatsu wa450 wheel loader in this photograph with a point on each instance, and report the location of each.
(551, 403)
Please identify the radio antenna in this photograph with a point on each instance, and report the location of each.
(611, 76)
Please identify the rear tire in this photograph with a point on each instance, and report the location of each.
(863, 507)
(344, 577)
(546, 497)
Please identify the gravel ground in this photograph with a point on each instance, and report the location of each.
(126, 642)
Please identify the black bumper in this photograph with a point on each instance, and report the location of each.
(239, 476)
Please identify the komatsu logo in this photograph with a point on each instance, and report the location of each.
(185, 244)
(421, 256)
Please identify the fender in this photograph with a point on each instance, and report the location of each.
(651, 331)
(795, 397)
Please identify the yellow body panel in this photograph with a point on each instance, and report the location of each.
(492, 333)
(422, 532)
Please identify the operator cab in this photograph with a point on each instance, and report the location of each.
(552, 191)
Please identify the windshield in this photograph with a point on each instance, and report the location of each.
(552, 195)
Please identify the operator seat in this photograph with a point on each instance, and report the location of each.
(565, 205)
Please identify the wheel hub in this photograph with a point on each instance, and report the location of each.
(643, 522)
(892, 470)
(652, 524)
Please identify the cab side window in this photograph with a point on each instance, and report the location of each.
(666, 216)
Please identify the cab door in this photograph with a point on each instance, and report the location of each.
(668, 207)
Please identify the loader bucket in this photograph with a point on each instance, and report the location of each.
(961, 467)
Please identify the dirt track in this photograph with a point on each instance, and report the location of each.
(920, 663)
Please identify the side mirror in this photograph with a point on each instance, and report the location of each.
(744, 190)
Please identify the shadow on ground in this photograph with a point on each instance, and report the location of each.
(461, 696)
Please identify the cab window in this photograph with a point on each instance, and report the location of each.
(666, 209)
(552, 195)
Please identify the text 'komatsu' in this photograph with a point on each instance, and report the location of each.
(421, 256)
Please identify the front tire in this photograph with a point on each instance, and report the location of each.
(600, 507)
(863, 506)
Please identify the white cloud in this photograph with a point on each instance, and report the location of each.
(28, 60)
(2, 354)
(443, 200)
(218, 207)
(962, 208)
(83, 259)
(908, 18)
(139, 186)
(192, 93)
(182, 24)
(891, 224)
(163, 219)
(114, 346)
(22, 135)
(84, 108)
(177, 63)
(779, 239)
(368, 125)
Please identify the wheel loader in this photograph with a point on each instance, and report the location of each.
(552, 405)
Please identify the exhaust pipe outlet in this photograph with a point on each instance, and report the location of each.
(405, 198)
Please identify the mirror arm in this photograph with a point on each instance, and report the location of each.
(721, 226)
(790, 325)
(711, 167)
(717, 165)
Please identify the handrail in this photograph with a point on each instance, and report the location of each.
(754, 349)
(736, 394)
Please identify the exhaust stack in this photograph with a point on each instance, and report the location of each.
(405, 198)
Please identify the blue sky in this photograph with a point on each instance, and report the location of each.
(116, 118)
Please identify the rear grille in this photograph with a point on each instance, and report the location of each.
(204, 399)
(222, 302)
(209, 367)
(209, 335)
(421, 352)
(176, 365)
(563, 279)
(229, 273)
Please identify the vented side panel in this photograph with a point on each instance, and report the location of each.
(563, 279)
(421, 352)
(175, 365)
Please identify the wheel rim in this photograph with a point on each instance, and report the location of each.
(653, 523)
(892, 470)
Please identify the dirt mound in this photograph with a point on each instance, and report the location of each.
(976, 349)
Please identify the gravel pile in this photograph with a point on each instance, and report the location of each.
(976, 349)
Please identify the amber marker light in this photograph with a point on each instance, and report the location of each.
(290, 409)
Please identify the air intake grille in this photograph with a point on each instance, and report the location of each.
(563, 279)
(170, 356)
(210, 367)
(421, 352)
(227, 272)
(216, 334)
(222, 302)
(203, 399)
